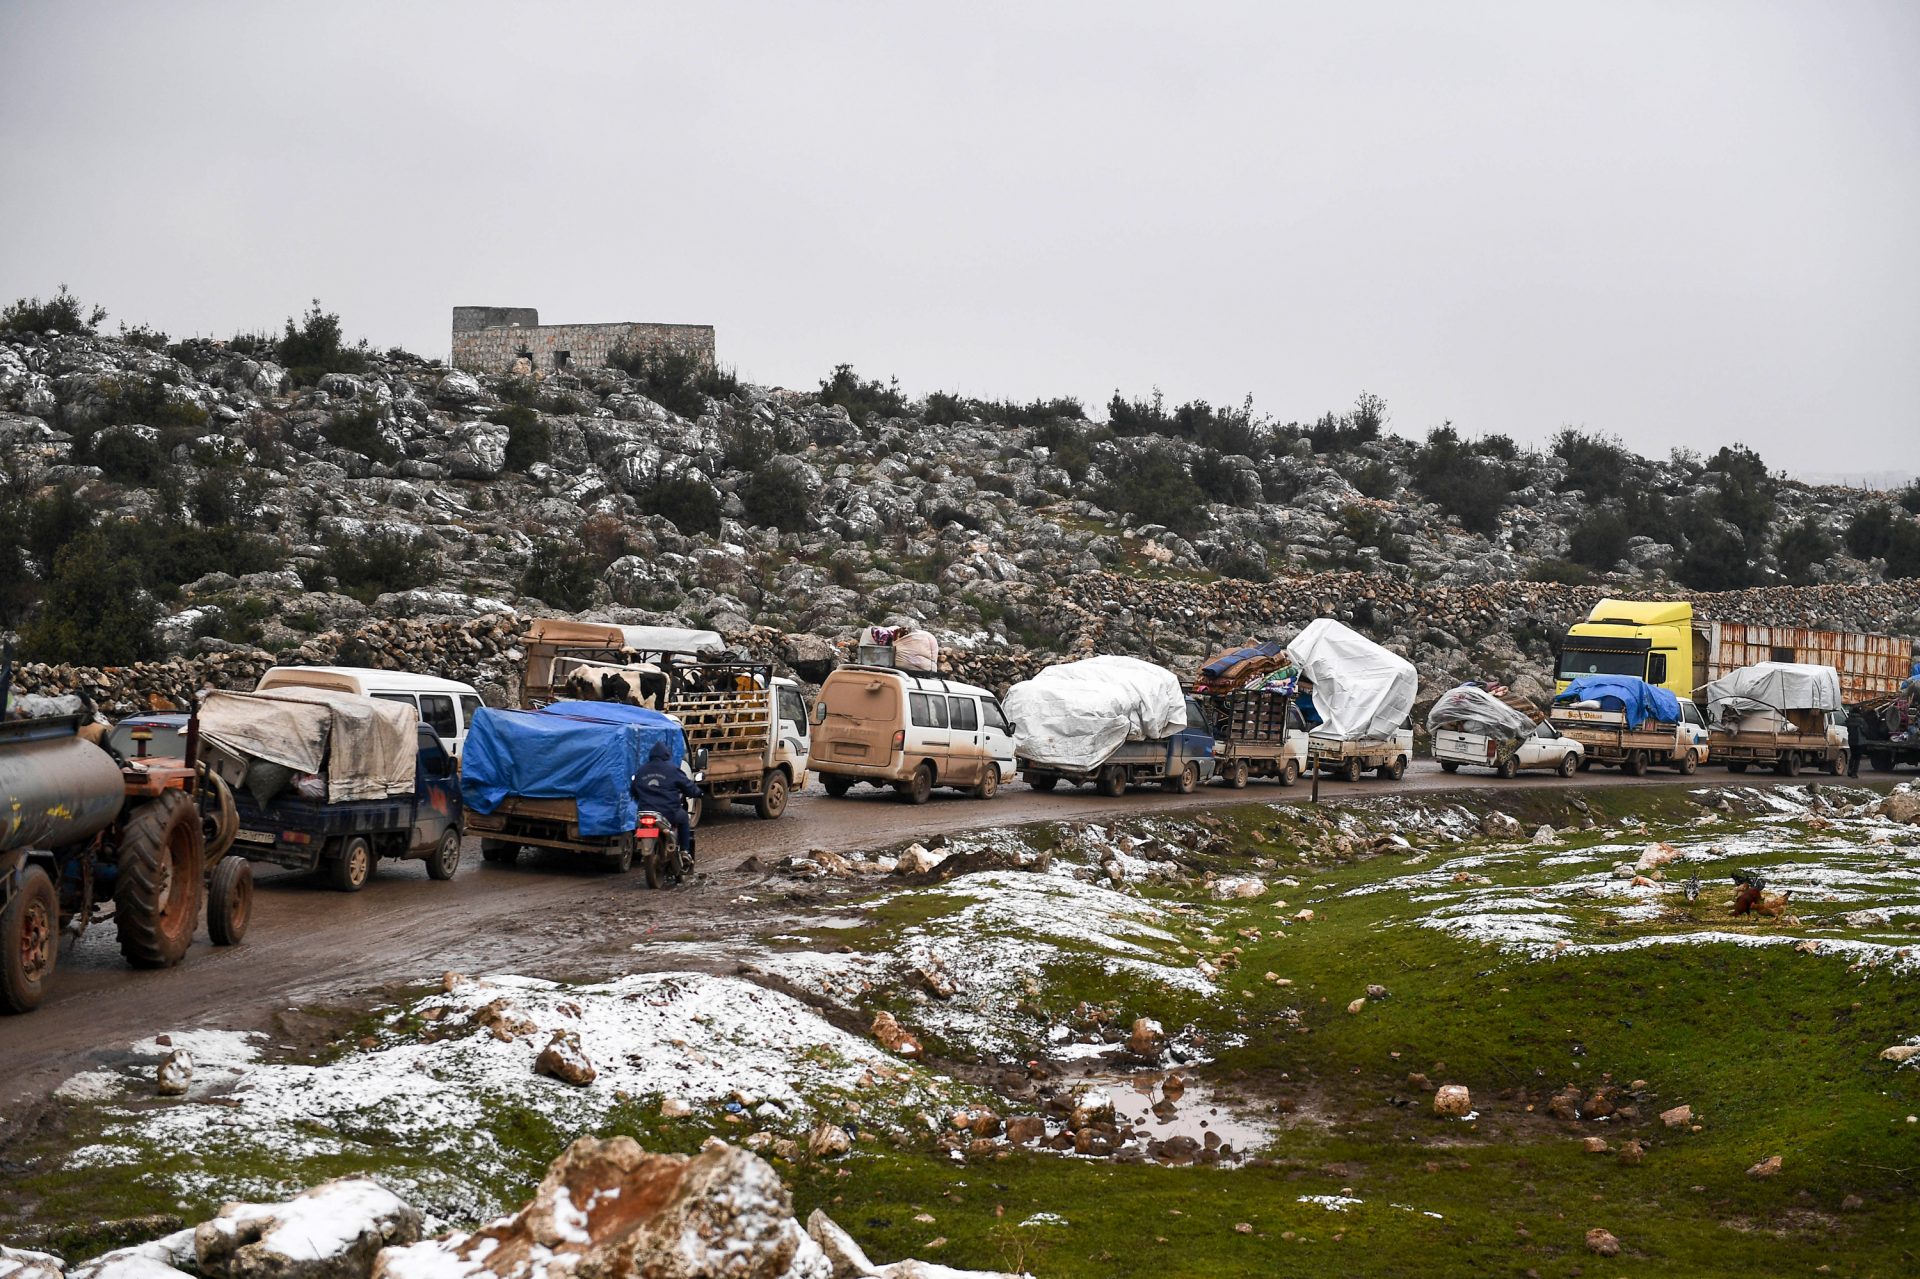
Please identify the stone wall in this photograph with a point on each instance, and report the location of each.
(494, 347)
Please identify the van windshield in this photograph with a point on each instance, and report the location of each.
(1575, 662)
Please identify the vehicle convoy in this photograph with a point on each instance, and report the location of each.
(1890, 724)
(1663, 643)
(1778, 715)
(1247, 695)
(1630, 724)
(910, 731)
(561, 778)
(752, 725)
(331, 781)
(86, 835)
(1114, 722)
(1358, 696)
(445, 704)
(1473, 726)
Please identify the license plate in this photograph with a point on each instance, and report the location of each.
(849, 748)
(254, 837)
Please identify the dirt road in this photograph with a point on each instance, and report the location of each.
(311, 945)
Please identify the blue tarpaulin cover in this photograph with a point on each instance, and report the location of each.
(584, 751)
(1640, 700)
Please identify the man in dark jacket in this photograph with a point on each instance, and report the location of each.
(1856, 736)
(660, 787)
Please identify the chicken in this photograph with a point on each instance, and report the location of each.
(1746, 899)
(1775, 907)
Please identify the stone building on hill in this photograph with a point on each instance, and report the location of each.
(496, 339)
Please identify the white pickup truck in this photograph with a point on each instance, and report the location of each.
(1544, 748)
(1347, 757)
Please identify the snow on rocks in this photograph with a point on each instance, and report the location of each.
(169, 1257)
(23, 1263)
(333, 1231)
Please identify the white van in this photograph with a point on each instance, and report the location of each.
(912, 732)
(444, 705)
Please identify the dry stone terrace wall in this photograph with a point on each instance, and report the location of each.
(587, 346)
(1102, 612)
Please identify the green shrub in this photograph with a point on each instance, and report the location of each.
(1462, 483)
(692, 504)
(529, 438)
(1244, 565)
(1802, 546)
(747, 445)
(1884, 532)
(861, 399)
(1715, 557)
(61, 313)
(1344, 432)
(560, 574)
(313, 348)
(1374, 478)
(147, 339)
(369, 567)
(942, 409)
(358, 431)
(126, 457)
(225, 495)
(1218, 478)
(1368, 527)
(677, 382)
(1597, 465)
(95, 610)
(777, 497)
(1599, 540)
(169, 553)
(1745, 493)
(1564, 571)
(1155, 488)
(1909, 498)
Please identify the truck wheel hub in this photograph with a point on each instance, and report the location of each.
(36, 943)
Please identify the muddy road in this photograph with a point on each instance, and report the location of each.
(309, 945)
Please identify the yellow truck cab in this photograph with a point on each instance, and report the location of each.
(1653, 640)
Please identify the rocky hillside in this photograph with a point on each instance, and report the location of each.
(208, 501)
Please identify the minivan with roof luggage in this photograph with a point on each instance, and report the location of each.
(910, 731)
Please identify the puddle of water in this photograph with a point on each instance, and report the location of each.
(1171, 1105)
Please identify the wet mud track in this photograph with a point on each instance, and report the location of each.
(311, 946)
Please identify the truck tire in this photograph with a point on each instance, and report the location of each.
(1585, 765)
(1688, 765)
(1449, 766)
(1237, 774)
(499, 852)
(1837, 763)
(1882, 761)
(1567, 764)
(773, 795)
(989, 782)
(1350, 770)
(1113, 781)
(354, 867)
(445, 859)
(29, 942)
(1508, 768)
(1393, 770)
(1186, 781)
(1634, 765)
(621, 860)
(918, 789)
(1789, 765)
(1290, 772)
(837, 786)
(230, 901)
(1043, 783)
(156, 903)
(1736, 766)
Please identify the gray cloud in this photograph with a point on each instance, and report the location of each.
(1686, 224)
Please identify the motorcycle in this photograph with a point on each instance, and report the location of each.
(658, 848)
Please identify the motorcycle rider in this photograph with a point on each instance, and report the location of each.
(660, 787)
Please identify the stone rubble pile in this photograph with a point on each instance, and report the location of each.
(606, 1208)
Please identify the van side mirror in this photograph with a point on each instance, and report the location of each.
(700, 760)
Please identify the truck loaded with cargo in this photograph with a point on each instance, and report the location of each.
(1248, 697)
(752, 725)
(1630, 724)
(561, 778)
(87, 835)
(1113, 722)
(331, 781)
(1357, 698)
(1890, 725)
(1778, 715)
(1474, 725)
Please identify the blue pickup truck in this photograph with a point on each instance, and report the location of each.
(1178, 763)
(348, 838)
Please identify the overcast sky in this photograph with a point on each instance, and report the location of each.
(1685, 223)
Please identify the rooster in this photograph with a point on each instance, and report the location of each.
(1752, 888)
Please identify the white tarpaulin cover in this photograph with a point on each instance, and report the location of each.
(364, 746)
(1472, 709)
(1774, 686)
(1360, 689)
(1076, 714)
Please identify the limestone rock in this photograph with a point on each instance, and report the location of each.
(565, 1060)
(1678, 1117)
(1453, 1101)
(828, 1140)
(1146, 1038)
(160, 1258)
(892, 1036)
(1768, 1167)
(24, 1263)
(175, 1074)
(1900, 1054)
(333, 1231)
(1602, 1242)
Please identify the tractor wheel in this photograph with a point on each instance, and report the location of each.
(918, 788)
(156, 904)
(1237, 775)
(1290, 773)
(1113, 781)
(446, 857)
(354, 867)
(1449, 766)
(989, 782)
(773, 796)
(837, 786)
(1043, 784)
(230, 901)
(499, 852)
(29, 942)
